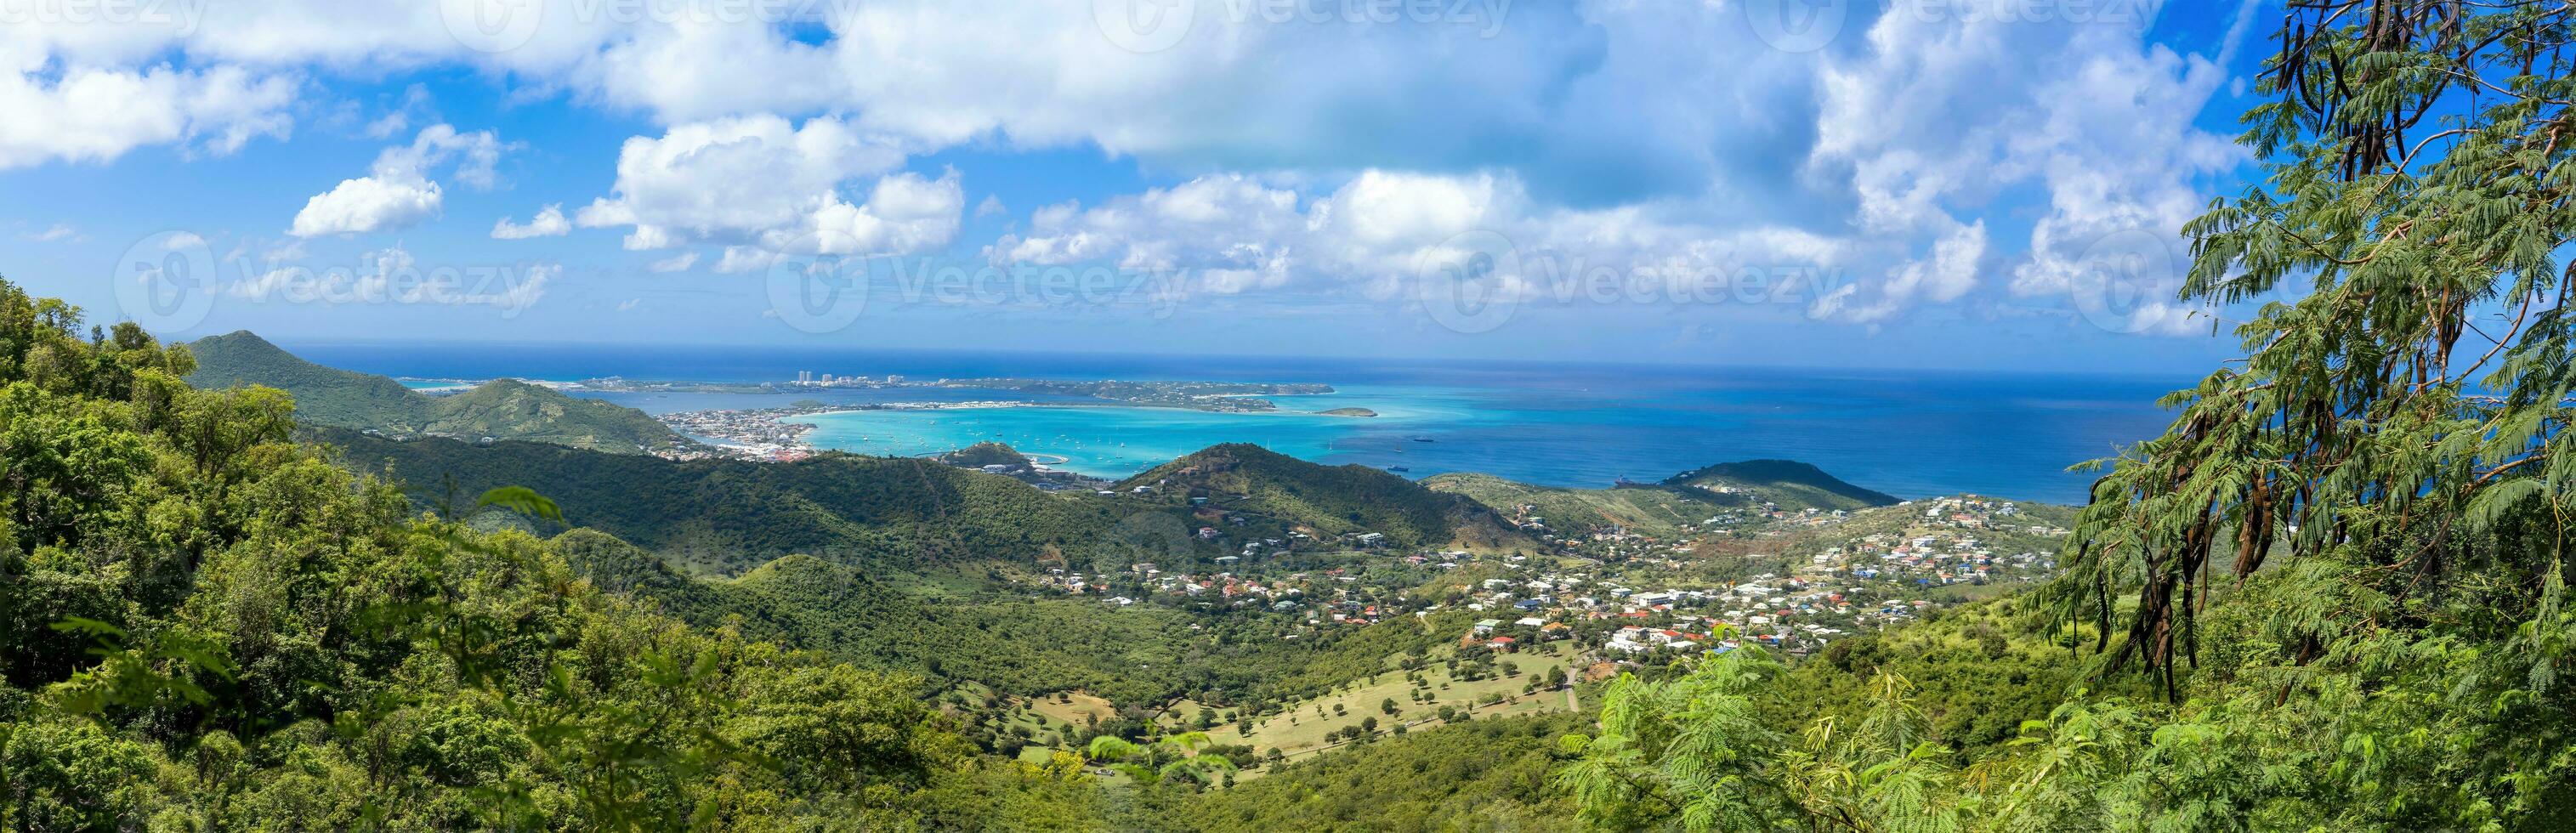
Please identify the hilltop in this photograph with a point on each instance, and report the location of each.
(1685, 500)
(323, 395)
(1328, 500)
(1654, 509)
(505, 409)
(987, 453)
(1788, 483)
(725, 516)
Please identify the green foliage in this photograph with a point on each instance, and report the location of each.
(1655, 510)
(210, 627)
(1331, 500)
(501, 409)
(2343, 566)
(1489, 775)
(732, 515)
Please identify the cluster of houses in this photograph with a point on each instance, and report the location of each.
(1868, 582)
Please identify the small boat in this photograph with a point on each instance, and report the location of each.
(1397, 469)
(1424, 440)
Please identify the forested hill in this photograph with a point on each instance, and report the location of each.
(205, 626)
(1789, 483)
(1645, 509)
(726, 516)
(323, 395)
(502, 409)
(1329, 500)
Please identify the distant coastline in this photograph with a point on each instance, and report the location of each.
(1915, 434)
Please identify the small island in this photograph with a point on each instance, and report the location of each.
(1349, 412)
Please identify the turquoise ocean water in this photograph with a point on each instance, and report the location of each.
(1913, 434)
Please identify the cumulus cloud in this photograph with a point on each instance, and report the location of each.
(1923, 134)
(549, 222)
(398, 192)
(1383, 234)
(94, 114)
(1315, 154)
(762, 182)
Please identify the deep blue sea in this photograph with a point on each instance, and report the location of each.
(1909, 433)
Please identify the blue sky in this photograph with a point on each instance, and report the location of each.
(1911, 183)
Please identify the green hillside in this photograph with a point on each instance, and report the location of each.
(725, 516)
(1648, 509)
(323, 395)
(805, 602)
(206, 626)
(985, 454)
(1788, 483)
(515, 410)
(502, 409)
(1330, 500)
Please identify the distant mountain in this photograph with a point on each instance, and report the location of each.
(1646, 509)
(323, 395)
(986, 453)
(1331, 500)
(1788, 483)
(504, 409)
(1688, 498)
(724, 516)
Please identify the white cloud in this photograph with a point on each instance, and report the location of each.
(740, 259)
(1646, 135)
(368, 204)
(676, 263)
(1923, 133)
(57, 233)
(398, 192)
(93, 114)
(760, 181)
(1382, 234)
(549, 222)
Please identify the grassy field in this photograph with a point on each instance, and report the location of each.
(1302, 728)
